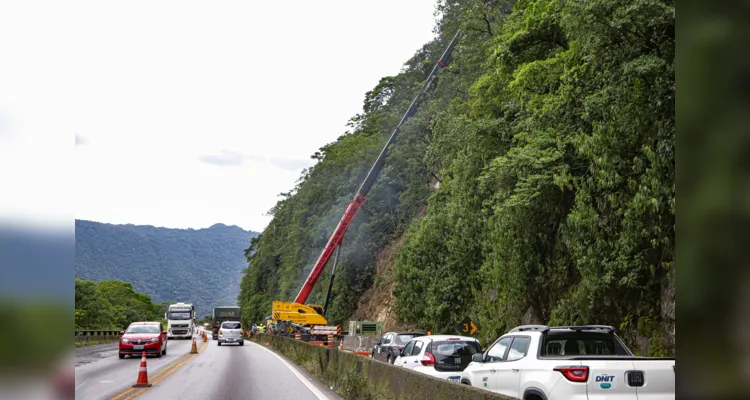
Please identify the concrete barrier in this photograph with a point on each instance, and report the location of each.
(358, 377)
(360, 343)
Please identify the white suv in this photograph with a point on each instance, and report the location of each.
(441, 356)
(231, 332)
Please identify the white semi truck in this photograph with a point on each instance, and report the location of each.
(180, 320)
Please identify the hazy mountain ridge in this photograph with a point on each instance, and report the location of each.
(202, 266)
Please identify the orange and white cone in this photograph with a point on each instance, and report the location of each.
(341, 345)
(142, 374)
(194, 350)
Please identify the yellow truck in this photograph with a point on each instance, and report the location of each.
(289, 318)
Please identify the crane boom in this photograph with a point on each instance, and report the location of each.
(372, 175)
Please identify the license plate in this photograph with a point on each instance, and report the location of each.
(457, 361)
(137, 347)
(454, 378)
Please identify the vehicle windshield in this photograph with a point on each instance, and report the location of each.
(231, 325)
(402, 340)
(178, 315)
(581, 343)
(453, 355)
(143, 329)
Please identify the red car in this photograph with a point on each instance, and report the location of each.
(143, 336)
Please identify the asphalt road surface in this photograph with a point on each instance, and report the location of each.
(217, 372)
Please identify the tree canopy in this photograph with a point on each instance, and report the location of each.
(111, 305)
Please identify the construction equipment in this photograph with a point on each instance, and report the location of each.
(366, 328)
(285, 313)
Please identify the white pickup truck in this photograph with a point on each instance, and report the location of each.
(538, 362)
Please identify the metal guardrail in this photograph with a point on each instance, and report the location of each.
(97, 333)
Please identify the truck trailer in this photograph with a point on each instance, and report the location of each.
(221, 314)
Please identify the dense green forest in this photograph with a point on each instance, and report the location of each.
(112, 305)
(535, 185)
(201, 266)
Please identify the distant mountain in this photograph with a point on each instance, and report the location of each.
(37, 264)
(202, 266)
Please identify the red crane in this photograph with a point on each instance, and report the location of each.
(334, 243)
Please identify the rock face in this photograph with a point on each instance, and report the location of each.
(376, 304)
(668, 312)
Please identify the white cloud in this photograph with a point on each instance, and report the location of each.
(160, 88)
(80, 140)
(226, 158)
(292, 164)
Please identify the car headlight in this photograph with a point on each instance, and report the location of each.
(154, 340)
(125, 340)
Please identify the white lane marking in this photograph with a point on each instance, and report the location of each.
(84, 382)
(106, 381)
(302, 379)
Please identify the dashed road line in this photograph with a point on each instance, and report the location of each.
(160, 375)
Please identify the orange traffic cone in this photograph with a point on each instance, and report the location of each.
(142, 374)
(194, 350)
(341, 345)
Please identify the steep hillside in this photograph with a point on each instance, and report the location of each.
(203, 266)
(545, 160)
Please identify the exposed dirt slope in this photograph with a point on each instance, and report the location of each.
(377, 303)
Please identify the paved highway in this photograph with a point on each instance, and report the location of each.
(226, 372)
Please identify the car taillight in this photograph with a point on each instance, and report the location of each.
(574, 373)
(220, 331)
(428, 359)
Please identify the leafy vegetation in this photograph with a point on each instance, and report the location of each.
(111, 305)
(551, 136)
(44, 322)
(201, 266)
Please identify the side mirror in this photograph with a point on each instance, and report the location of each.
(122, 333)
(477, 357)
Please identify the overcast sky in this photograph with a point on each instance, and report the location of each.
(184, 113)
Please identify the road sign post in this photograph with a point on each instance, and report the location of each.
(467, 327)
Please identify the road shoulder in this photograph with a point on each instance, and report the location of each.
(308, 377)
